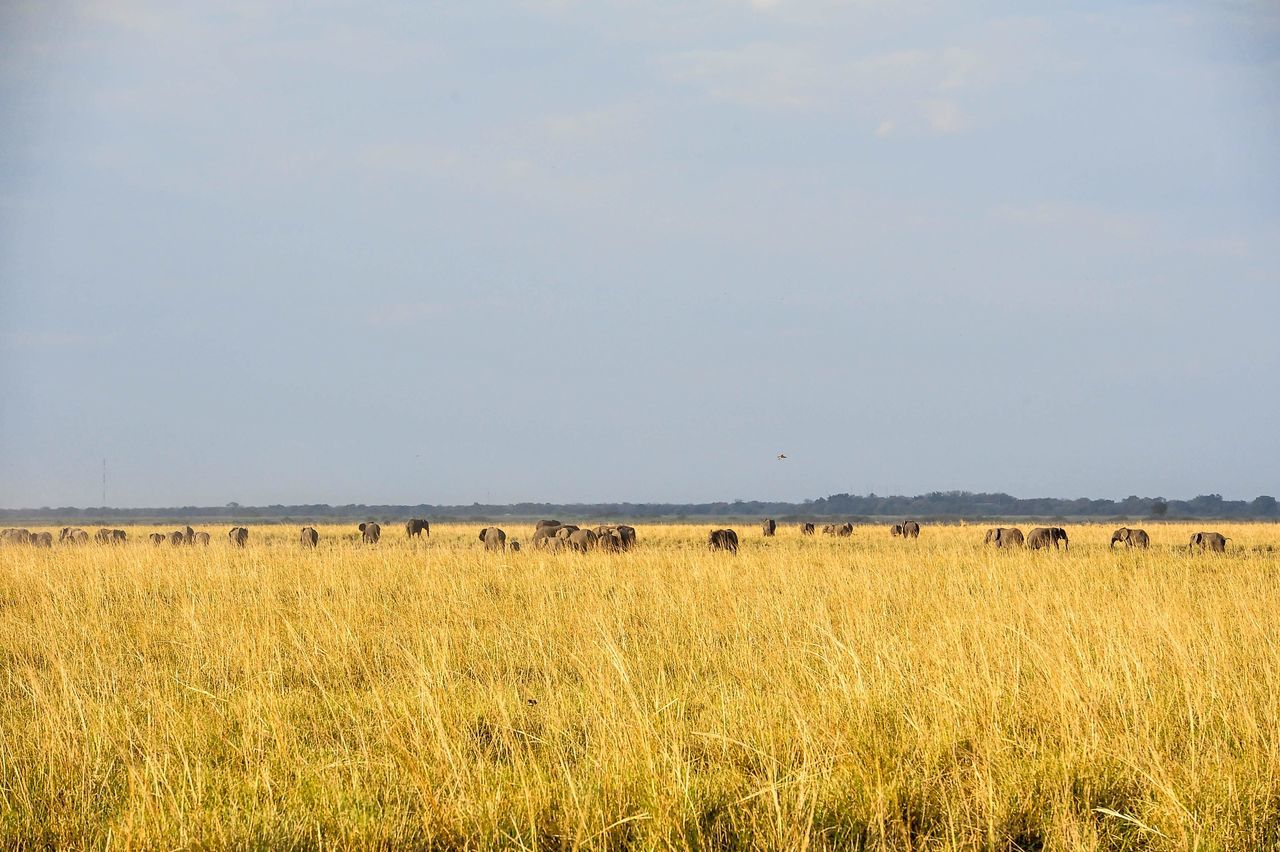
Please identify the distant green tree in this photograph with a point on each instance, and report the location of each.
(1159, 508)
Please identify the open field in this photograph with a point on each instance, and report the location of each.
(809, 692)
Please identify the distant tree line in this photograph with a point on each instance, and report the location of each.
(936, 505)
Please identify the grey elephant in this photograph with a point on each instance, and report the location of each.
(189, 535)
(582, 540)
(723, 540)
(67, 533)
(42, 539)
(609, 540)
(1214, 541)
(309, 537)
(626, 534)
(844, 530)
(158, 538)
(828, 529)
(238, 536)
(806, 529)
(106, 536)
(201, 538)
(415, 527)
(1130, 537)
(910, 529)
(545, 537)
(768, 526)
(1043, 537)
(546, 523)
(1004, 537)
(370, 532)
(895, 530)
(78, 537)
(513, 545)
(493, 538)
(177, 538)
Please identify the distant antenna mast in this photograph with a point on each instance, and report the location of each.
(104, 482)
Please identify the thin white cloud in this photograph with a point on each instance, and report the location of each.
(899, 91)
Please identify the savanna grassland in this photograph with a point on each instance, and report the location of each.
(811, 692)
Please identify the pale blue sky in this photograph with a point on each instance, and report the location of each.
(405, 252)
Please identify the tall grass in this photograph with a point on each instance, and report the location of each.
(810, 692)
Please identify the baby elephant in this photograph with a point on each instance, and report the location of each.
(238, 536)
(310, 537)
(910, 529)
(895, 530)
(723, 540)
(370, 532)
(807, 529)
(1004, 537)
(768, 526)
(1131, 538)
(1217, 542)
(158, 538)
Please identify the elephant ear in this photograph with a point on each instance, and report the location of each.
(362, 527)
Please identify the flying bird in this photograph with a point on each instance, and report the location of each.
(782, 456)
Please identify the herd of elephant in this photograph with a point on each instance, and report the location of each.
(555, 535)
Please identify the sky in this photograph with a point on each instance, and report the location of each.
(282, 252)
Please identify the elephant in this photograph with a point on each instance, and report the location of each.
(158, 538)
(545, 537)
(910, 529)
(1004, 537)
(67, 533)
(189, 535)
(370, 532)
(582, 540)
(78, 537)
(493, 538)
(627, 534)
(514, 546)
(1131, 538)
(177, 538)
(1214, 541)
(895, 530)
(828, 529)
(723, 540)
(42, 539)
(415, 527)
(309, 537)
(563, 533)
(238, 536)
(106, 536)
(545, 523)
(608, 540)
(1046, 536)
(201, 538)
(768, 526)
(806, 529)
(844, 530)
(16, 536)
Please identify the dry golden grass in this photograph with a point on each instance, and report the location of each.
(811, 692)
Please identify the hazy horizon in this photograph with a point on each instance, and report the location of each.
(561, 252)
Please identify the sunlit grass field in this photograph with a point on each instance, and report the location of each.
(811, 692)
